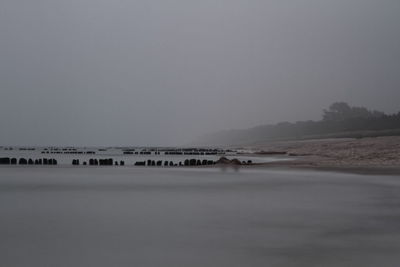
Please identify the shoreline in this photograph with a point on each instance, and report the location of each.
(368, 156)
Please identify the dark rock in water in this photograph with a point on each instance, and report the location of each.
(13, 161)
(236, 162)
(225, 161)
(22, 161)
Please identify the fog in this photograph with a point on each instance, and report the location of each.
(162, 72)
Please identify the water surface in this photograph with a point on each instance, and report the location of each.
(107, 216)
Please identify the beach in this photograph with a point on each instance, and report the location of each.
(375, 155)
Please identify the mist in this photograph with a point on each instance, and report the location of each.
(163, 72)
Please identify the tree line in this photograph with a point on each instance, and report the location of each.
(338, 120)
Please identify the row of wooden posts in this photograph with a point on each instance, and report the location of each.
(24, 161)
(149, 163)
(187, 162)
(111, 162)
(99, 162)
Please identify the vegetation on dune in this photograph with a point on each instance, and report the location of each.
(339, 120)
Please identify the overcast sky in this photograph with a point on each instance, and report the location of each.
(162, 72)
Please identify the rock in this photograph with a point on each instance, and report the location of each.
(236, 162)
(225, 161)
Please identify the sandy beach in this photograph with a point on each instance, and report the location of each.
(366, 155)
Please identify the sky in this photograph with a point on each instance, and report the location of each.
(163, 72)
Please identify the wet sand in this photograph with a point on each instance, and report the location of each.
(197, 217)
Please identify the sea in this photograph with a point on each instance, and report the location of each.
(99, 216)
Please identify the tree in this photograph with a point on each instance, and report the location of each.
(340, 111)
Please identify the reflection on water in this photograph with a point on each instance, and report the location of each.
(196, 217)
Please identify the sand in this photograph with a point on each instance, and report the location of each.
(375, 155)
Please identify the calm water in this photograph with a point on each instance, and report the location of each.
(64, 216)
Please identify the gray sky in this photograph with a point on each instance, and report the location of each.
(162, 72)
